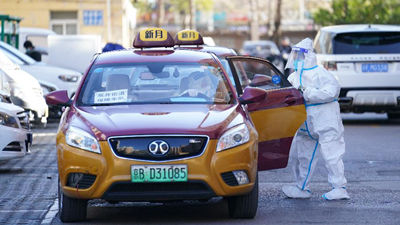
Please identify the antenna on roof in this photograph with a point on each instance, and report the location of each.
(369, 25)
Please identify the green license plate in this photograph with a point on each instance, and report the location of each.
(158, 173)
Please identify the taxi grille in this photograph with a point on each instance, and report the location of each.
(158, 148)
(128, 191)
(229, 179)
(80, 180)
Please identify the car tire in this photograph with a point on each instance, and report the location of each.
(71, 209)
(394, 116)
(244, 206)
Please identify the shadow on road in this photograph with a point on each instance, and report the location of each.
(371, 122)
(10, 171)
(368, 119)
(215, 212)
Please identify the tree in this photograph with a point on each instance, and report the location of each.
(254, 11)
(160, 13)
(276, 35)
(359, 12)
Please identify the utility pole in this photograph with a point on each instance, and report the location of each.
(160, 13)
(254, 34)
(192, 22)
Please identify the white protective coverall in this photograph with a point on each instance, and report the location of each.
(322, 133)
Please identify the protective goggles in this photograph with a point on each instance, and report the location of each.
(296, 55)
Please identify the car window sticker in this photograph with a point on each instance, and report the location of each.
(111, 96)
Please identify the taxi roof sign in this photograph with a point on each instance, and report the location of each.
(153, 37)
(188, 37)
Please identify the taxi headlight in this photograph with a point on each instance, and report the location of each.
(81, 139)
(7, 120)
(235, 136)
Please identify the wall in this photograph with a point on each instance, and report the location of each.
(36, 13)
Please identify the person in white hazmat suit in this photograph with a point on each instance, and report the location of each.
(322, 132)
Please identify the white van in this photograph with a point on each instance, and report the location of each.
(366, 61)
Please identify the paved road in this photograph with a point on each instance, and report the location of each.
(28, 186)
(372, 161)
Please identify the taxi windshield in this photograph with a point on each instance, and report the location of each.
(155, 83)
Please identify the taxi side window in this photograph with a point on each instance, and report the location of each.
(258, 74)
(244, 81)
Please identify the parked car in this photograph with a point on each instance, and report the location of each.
(366, 61)
(51, 78)
(16, 137)
(167, 124)
(25, 90)
(263, 49)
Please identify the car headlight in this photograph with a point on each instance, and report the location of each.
(69, 78)
(81, 139)
(235, 136)
(7, 120)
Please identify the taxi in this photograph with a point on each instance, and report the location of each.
(158, 123)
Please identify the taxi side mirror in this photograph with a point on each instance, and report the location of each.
(252, 95)
(260, 80)
(59, 98)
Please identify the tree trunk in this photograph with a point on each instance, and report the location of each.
(160, 13)
(192, 11)
(277, 23)
(254, 34)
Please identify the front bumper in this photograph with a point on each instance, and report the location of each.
(14, 142)
(112, 175)
(360, 101)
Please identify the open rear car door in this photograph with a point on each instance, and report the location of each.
(278, 116)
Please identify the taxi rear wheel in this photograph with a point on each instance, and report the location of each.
(70, 209)
(244, 206)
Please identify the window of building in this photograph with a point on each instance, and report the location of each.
(93, 17)
(64, 22)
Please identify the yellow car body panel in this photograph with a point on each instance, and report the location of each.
(109, 168)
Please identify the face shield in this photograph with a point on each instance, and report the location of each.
(296, 58)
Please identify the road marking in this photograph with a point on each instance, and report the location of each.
(43, 134)
(22, 210)
(51, 214)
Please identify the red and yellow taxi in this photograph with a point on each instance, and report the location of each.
(158, 123)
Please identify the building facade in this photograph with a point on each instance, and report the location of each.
(113, 20)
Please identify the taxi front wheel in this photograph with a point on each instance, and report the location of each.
(70, 209)
(244, 206)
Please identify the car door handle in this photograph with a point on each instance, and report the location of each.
(290, 100)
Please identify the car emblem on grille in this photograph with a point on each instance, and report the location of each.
(158, 147)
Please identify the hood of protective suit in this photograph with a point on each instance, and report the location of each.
(302, 56)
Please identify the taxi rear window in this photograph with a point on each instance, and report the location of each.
(367, 43)
(155, 83)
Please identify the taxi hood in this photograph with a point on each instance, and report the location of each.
(121, 120)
